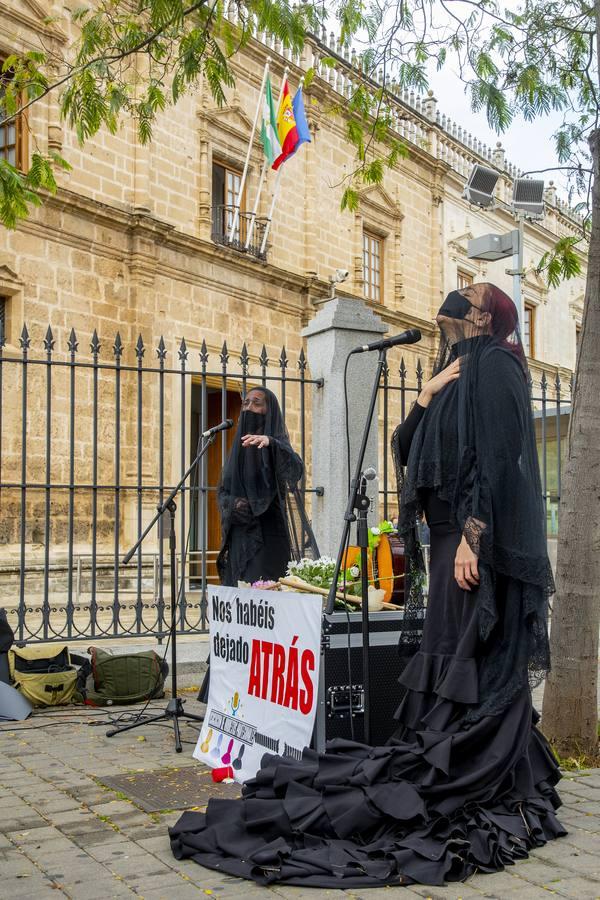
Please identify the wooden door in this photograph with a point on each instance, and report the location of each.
(214, 458)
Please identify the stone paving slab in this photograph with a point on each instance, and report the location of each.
(65, 834)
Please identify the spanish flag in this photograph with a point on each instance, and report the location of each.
(292, 126)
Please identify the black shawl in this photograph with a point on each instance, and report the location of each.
(475, 448)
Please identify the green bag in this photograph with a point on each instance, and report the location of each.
(44, 675)
(126, 678)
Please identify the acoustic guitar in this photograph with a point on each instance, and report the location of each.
(390, 563)
(386, 566)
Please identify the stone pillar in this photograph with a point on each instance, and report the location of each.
(204, 179)
(339, 326)
(430, 106)
(499, 157)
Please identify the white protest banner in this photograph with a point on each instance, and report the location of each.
(264, 675)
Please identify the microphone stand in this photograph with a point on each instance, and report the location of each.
(358, 502)
(174, 711)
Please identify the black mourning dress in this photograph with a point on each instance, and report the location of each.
(252, 500)
(467, 782)
(257, 540)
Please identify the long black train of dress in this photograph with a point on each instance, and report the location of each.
(441, 801)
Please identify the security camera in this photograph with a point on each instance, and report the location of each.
(338, 276)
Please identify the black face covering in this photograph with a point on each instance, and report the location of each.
(252, 422)
(455, 306)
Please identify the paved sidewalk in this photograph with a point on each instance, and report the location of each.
(64, 834)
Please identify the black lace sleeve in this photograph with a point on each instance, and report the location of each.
(406, 430)
(288, 465)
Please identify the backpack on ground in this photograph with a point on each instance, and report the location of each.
(44, 674)
(126, 678)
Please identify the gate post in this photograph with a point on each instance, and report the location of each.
(340, 325)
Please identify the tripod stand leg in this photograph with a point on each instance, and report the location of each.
(137, 724)
(174, 709)
(178, 747)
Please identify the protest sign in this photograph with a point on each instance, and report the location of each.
(264, 673)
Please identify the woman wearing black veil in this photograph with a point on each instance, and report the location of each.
(252, 495)
(256, 495)
(466, 783)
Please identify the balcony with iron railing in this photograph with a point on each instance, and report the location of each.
(248, 234)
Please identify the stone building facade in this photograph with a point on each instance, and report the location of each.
(133, 244)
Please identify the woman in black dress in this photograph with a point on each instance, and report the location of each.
(259, 472)
(257, 488)
(466, 784)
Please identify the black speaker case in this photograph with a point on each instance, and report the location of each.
(389, 652)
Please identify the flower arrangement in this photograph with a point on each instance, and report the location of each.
(319, 573)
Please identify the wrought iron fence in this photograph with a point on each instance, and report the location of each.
(551, 400)
(89, 444)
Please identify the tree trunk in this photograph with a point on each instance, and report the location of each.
(570, 713)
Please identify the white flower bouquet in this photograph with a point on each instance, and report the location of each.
(319, 574)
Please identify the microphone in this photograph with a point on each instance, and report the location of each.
(222, 426)
(407, 337)
(370, 473)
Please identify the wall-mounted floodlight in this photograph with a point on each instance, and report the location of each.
(528, 197)
(480, 187)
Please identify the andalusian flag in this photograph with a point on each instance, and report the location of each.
(268, 128)
(291, 124)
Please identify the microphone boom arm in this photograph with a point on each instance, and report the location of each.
(164, 506)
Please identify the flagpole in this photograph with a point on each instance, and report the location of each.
(263, 171)
(236, 215)
(273, 202)
(254, 211)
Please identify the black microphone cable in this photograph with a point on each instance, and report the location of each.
(346, 548)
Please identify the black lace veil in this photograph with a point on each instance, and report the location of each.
(253, 479)
(475, 447)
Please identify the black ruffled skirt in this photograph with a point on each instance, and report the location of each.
(443, 800)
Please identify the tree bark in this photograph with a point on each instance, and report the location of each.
(570, 713)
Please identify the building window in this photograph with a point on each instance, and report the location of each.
(226, 183)
(463, 280)
(11, 133)
(529, 330)
(373, 266)
(228, 208)
(577, 340)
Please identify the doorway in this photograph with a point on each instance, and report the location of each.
(206, 530)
